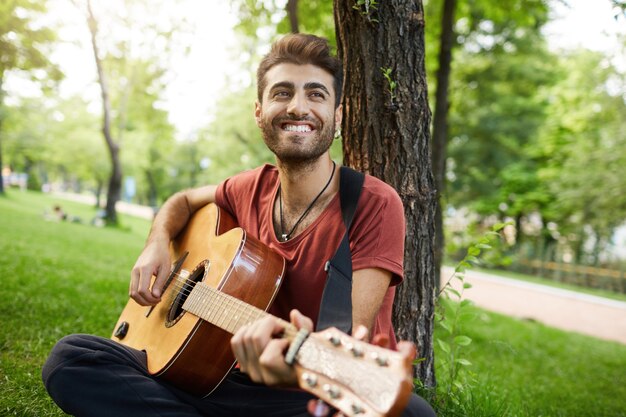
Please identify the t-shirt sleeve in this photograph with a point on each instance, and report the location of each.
(378, 231)
(226, 199)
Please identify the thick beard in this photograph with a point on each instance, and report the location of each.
(294, 155)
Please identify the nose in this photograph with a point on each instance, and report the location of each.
(298, 106)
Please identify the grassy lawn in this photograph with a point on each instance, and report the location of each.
(62, 278)
(57, 278)
(524, 368)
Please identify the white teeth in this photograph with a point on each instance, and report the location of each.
(297, 128)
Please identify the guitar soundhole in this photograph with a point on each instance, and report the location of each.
(184, 286)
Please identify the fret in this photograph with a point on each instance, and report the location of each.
(225, 311)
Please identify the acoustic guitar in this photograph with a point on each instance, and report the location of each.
(222, 278)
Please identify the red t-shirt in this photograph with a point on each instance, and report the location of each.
(376, 239)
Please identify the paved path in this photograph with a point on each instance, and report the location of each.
(567, 310)
(121, 206)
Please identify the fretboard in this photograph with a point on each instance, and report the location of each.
(225, 311)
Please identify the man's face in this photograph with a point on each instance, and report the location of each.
(298, 115)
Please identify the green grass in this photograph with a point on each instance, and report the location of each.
(62, 278)
(524, 368)
(57, 278)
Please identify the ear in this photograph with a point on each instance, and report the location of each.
(257, 113)
(338, 116)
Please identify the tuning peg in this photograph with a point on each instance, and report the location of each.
(334, 340)
(310, 379)
(381, 360)
(332, 390)
(357, 352)
(357, 409)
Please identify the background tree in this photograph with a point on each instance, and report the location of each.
(114, 188)
(484, 19)
(385, 129)
(130, 74)
(23, 48)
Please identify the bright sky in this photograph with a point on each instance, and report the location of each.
(200, 77)
(586, 23)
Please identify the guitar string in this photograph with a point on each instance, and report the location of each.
(183, 285)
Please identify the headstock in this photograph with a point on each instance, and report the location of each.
(360, 379)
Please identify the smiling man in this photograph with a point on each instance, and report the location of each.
(292, 207)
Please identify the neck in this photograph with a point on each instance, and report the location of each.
(300, 184)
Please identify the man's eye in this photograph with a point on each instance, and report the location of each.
(281, 94)
(317, 94)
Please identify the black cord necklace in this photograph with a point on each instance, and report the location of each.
(285, 236)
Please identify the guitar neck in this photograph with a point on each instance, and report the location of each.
(225, 311)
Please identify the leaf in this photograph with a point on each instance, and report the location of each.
(446, 327)
(483, 246)
(462, 340)
(453, 291)
(471, 259)
(473, 251)
(466, 302)
(463, 362)
(498, 226)
(445, 347)
(467, 285)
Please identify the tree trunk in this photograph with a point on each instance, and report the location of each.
(292, 13)
(440, 126)
(115, 179)
(386, 133)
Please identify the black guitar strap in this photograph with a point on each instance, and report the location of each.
(336, 304)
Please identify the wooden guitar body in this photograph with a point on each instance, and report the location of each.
(183, 349)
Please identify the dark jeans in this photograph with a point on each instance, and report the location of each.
(92, 376)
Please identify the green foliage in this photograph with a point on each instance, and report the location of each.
(24, 40)
(391, 84)
(367, 9)
(456, 380)
(582, 152)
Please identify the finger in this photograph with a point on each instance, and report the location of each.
(159, 282)
(272, 365)
(300, 320)
(143, 290)
(407, 349)
(360, 333)
(318, 408)
(381, 340)
(135, 287)
(239, 349)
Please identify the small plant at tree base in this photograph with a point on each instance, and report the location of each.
(392, 85)
(455, 379)
(367, 8)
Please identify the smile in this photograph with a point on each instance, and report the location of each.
(297, 128)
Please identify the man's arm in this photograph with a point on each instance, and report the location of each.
(369, 287)
(155, 259)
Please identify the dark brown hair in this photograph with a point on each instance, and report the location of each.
(301, 49)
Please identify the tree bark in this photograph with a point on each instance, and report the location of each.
(387, 135)
(115, 179)
(440, 126)
(292, 13)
